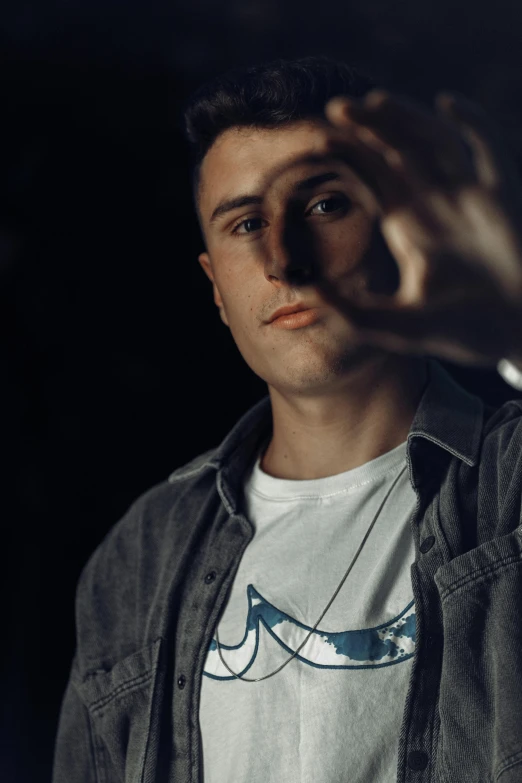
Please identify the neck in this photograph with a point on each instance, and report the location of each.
(319, 436)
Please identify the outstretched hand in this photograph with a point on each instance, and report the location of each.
(450, 209)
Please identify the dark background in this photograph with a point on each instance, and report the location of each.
(110, 379)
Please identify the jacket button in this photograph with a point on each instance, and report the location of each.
(417, 759)
(427, 544)
(181, 681)
(210, 577)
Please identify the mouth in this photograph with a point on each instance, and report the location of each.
(296, 319)
(287, 310)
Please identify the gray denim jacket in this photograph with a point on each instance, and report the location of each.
(150, 595)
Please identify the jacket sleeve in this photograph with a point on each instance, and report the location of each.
(73, 751)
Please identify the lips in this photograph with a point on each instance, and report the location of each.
(287, 310)
(296, 320)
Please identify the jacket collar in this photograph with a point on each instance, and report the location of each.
(447, 416)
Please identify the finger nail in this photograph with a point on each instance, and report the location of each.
(337, 106)
(376, 96)
(451, 99)
(445, 99)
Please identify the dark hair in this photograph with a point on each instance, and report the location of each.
(268, 95)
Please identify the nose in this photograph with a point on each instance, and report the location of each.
(279, 272)
(290, 255)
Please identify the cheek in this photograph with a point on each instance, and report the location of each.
(383, 275)
(238, 291)
(345, 242)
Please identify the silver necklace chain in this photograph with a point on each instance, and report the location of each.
(258, 679)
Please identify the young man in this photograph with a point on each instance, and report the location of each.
(334, 592)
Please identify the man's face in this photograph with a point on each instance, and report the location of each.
(253, 250)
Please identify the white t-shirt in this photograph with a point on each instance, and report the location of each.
(334, 713)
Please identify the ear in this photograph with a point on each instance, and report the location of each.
(204, 260)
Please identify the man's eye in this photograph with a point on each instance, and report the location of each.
(334, 203)
(244, 223)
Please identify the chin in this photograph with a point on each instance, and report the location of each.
(312, 365)
(309, 377)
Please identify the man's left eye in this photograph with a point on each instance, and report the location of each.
(332, 204)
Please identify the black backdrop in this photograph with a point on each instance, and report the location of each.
(115, 366)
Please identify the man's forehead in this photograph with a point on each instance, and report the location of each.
(243, 157)
(251, 144)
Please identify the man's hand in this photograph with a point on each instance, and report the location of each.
(450, 209)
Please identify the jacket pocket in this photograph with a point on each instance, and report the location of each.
(120, 704)
(480, 699)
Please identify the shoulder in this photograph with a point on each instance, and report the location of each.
(152, 514)
(135, 562)
(503, 428)
(500, 470)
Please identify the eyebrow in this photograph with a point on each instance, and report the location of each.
(246, 199)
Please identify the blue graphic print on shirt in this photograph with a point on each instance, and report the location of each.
(387, 644)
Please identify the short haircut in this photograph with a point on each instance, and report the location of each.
(268, 95)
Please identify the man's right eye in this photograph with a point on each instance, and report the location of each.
(244, 223)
